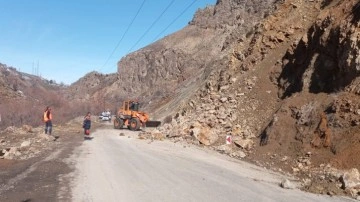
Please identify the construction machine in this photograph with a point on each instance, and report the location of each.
(129, 115)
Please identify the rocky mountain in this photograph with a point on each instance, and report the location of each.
(94, 89)
(177, 65)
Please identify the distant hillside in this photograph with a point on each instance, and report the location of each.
(23, 97)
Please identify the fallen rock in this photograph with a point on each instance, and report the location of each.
(238, 154)
(204, 135)
(286, 184)
(25, 144)
(11, 153)
(46, 137)
(225, 148)
(27, 128)
(244, 143)
(158, 136)
(143, 136)
(350, 179)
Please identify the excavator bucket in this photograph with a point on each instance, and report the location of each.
(153, 123)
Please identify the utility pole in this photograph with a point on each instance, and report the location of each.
(37, 69)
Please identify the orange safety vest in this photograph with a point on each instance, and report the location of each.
(46, 118)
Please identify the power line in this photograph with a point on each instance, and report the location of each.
(127, 29)
(152, 24)
(187, 8)
(182, 13)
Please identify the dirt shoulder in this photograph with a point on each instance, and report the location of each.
(37, 178)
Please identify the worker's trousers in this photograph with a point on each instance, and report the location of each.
(48, 127)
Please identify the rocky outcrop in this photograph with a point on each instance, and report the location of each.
(326, 58)
(185, 58)
(87, 87)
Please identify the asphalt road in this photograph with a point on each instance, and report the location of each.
(111, 167)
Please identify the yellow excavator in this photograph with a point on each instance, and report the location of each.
(129, 115)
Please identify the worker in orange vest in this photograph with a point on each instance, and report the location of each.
(47, 120)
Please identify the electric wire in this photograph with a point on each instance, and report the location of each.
(151, 25)
(182, 13)
(167, 27)
(122, 37)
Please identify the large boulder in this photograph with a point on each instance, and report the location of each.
(204, 135)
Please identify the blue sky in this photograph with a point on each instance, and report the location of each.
(64, 40)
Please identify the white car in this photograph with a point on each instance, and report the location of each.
(105, 117)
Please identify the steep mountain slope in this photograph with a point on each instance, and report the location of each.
(288, 95)
(175, 66)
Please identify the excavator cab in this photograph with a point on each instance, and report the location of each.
(134, 106)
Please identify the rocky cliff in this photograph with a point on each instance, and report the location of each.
(179, 63)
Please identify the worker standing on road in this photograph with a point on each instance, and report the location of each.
(87, 126)
(48, 120)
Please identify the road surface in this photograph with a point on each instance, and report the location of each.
(111, 167)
